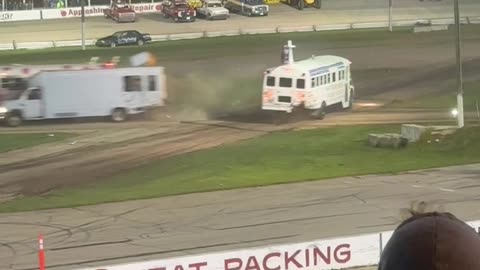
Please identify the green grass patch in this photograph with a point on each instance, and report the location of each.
(446, 100)
(9, 142)
(211, 48)
(272, 159)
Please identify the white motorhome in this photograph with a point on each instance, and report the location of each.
(13, 78)
(313, 84)
(87, 93)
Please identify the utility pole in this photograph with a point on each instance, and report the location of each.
(460, 116)
(390, 15)
(83, 24)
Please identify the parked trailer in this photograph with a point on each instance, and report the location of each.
(116, 93)
(312, 84)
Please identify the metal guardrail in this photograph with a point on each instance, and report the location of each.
(272, 30)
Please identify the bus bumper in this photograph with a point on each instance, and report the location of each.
(278, 108)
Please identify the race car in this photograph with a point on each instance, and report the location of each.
(121, 38)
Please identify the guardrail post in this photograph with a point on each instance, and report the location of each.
(14, 45)
(381, 243)
(54, 44)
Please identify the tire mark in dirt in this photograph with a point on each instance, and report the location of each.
(92, 164)
(83, 149)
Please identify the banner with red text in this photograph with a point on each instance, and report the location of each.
(316, 255)
(95, 11)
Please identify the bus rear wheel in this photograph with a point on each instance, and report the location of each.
(321, 112)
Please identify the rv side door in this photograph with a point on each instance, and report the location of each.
(132, 92)
(32, 104)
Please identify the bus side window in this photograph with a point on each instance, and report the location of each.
(328, 78)
(270, 81)
(313, 82)
(317, 81)
(334, 75)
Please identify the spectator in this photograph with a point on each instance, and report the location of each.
(432, 240)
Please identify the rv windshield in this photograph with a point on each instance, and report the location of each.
(6, 94)
(13, 83)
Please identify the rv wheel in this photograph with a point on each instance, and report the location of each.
(13, 120)
(113, 44)
(119, 115)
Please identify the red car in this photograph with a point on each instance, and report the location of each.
(120, 12)
(179, 11)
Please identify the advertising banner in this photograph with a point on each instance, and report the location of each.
(316, 255)
(19, 15)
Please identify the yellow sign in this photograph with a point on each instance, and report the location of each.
(194, 3)
(272, 2)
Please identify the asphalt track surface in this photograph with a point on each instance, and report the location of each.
(227, 220)
(333, 12)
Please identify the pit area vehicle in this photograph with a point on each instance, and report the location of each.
(212, 10)
(309, 85)
(111, 92)
(122, 38)
(120, 11)
(301, 4)
(178, 10)
(250, 8)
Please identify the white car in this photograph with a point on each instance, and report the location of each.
(213, 10)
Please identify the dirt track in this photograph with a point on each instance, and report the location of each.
(402, 71)
(184, 225)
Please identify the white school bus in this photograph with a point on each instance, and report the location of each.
(313, 84)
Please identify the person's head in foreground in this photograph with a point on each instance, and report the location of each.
(432, 241)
